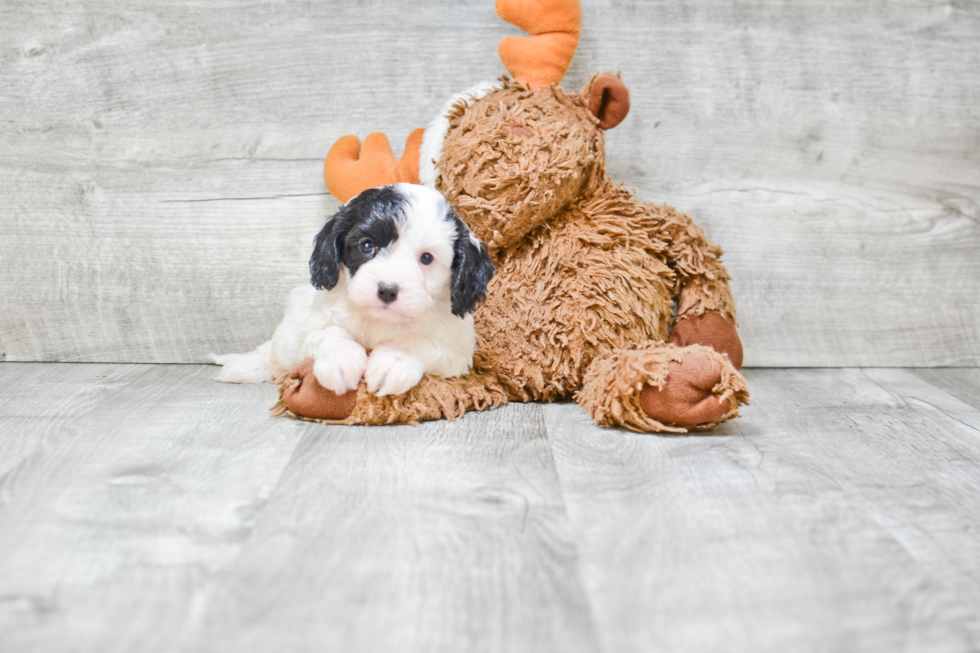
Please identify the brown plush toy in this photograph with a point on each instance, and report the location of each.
(589, 280)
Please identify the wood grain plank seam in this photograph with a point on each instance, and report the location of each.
(206, 592)
(908, 401)
(972, 429)
(590, 600)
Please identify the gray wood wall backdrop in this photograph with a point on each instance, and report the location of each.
(160, 163)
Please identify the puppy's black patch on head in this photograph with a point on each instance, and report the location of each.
(376, 215)
(365, 225)
(472, 269)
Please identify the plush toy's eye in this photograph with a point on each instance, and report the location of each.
(367, 247)
(425, 259)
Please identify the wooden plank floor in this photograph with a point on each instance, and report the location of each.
(146, 507)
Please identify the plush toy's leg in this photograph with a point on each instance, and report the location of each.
(660, 387)
(301, 396)
(705, 309)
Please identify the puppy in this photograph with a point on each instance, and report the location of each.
(395, 275)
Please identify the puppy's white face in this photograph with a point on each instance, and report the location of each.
(404, 251)
(401, 264)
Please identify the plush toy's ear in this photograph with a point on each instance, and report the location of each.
(472, 270)
(325, 261)
(609, 99)
(350, 169)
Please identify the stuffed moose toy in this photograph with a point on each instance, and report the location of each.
(589, 280)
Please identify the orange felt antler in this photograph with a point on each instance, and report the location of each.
(350, 168)
(541, 59)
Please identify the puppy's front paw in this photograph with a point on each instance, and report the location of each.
(341, 367)
(392, 372)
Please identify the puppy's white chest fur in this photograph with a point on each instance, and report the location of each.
(443, 342)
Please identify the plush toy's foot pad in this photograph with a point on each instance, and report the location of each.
(711, 330)
(302, 397)
(659, 387)
(687, 399)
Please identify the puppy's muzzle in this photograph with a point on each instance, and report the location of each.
(387, 292)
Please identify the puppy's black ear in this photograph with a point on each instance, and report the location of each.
(472, 270)
(325, 261)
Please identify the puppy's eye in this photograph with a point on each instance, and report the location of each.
(425, 259)
(367, 247)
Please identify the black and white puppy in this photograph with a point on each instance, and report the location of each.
(395, 276)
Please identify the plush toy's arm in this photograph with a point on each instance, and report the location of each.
(301, 395)
(705, 308)
(702, 280)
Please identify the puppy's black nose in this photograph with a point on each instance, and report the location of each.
(387, 292)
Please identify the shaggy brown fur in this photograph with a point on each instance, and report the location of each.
(433, 398)
(587, 277)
